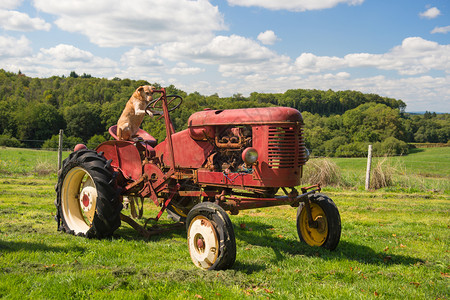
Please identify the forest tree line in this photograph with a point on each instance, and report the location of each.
(337, 123)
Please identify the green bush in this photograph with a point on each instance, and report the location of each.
(9, 141)
(95, 141)
(332, 145)
(390, 146)
(356, 149)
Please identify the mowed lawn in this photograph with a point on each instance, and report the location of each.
(394, 244)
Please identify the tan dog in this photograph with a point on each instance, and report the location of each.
(134, 112)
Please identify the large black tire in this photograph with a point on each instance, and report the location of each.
(211, 240)
(328, 232)
(87, 200)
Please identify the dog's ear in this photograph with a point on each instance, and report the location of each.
(138, 92)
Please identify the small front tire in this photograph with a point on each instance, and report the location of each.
(210, 234)
(327, 230)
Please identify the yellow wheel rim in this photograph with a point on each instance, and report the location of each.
(178, 211)
(314, 236)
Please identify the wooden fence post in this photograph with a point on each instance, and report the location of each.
(369, 163)
(60, 146)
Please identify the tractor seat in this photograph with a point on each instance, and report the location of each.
(141, 135)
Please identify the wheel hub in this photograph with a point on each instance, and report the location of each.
(200, 243)
(314, 234)
(86, 198)
(321, 225)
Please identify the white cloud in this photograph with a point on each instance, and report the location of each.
(61, 59)
(293, 5)
(430, 13)
(141, 58)
(419, 93)
(65, 54)
(12, 47)
(310, 63)
(114, 23)
(444, 29)
(220, 50)
(414, 56)
(10, 4)
(233, 49)
(235, 56)
(17, 21)
(184, 69)
(267, 37)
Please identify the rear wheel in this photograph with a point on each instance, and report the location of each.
(325, 231)
(210, 235)
(87, 201)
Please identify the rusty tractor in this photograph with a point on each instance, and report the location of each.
(227, 160)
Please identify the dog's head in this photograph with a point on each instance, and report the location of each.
(144, 93)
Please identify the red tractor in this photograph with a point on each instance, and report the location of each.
(227, 160)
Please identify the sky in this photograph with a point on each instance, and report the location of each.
(394, 48)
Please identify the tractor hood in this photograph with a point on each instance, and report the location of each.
(265, 115)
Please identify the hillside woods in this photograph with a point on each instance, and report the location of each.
(342, 123)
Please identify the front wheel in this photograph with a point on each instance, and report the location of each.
(87, 201)
(325, 230)
(210, 234)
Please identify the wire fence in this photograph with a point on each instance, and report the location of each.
(37, 145)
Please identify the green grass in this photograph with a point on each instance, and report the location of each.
(394, 245)
(19, 161)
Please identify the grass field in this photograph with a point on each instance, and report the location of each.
(394, 244)
(423, 170)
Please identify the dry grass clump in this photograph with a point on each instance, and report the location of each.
(323, 171)
(44, 167)
(382, 175)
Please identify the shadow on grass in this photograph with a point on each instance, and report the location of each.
(261, 236)
(248, 268)
(129, 234)
(11, 246)
(415, 150)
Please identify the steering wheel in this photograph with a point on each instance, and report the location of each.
(155, 106)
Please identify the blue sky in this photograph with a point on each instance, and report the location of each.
(396, 48)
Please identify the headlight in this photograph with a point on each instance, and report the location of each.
(250, 156)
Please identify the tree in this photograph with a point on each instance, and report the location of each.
(372, 122)
(83, 120)
(38, 121)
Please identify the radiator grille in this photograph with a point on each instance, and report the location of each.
(286, 147)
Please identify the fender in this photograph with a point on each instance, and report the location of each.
(124, 158)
